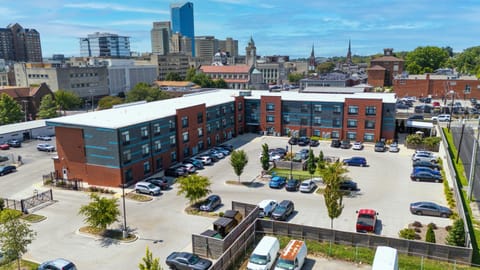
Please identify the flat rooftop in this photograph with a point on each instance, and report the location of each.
(130, 115)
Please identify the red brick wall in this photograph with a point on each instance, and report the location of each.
(239, 125)
(437, 88)
(277, 124)
(376, 78)
(193, 125)
(361, 117)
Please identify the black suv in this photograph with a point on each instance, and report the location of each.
(335, 143)
(283, 210)
(345, 144)
(380, 146)
(176, 171)
(293, 141)
(303, 141)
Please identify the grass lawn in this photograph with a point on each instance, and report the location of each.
(24, 265)
(301, 175)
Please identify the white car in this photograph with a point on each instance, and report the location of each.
(147, 188)
(267, 207)
(424, 156)
(357, 146)
(441, 118)
(307, 186)
(204, 159)
(189, 167)
(44, 138)
(45, 147)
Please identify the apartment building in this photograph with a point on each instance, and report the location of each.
(20, 44)
(127, 144)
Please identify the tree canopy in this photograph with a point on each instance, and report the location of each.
(173, 76)
(425, 59)
(238, 160)
(190, 74)
(148, 262)
(333, 174)
(100, 212)
(468, 61)
(48, 108)
(67, 100)
(294, 77)
(143, 91)
(325, 67)
(10, 110)
(108, 102)
(194, 187)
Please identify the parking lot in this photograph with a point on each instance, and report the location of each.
(162, 224)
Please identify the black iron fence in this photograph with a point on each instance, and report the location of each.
(26, 204)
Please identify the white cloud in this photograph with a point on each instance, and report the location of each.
(116, 8)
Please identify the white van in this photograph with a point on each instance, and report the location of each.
(264, 254)
(386, 258)
(293, 256)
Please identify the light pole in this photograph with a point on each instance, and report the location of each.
(460, 143)
(451, 92)
(25, 108)
(291, 161)
(91, 95)
(474, 163)
(124, 231)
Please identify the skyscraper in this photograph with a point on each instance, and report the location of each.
(160, 36)
(20, 44)
(105, 44)
(182, 21)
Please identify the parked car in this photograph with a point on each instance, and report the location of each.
(206, 160)
(292, 185)
(314, 143)
(401, 105)
(335, 143)
(283, 210)
(348, 185)
(44, 138)
(293, 141)
(415, 117)
(176, 171)
(355, 161)
(441, 118)
(280, 151)
(217, 154)
(430, 209)
(266, 207)
(222, 150)
(4, 146)
(7, 169)
(394, 147)
(212, 202)
(189, 167)
(227, 146)
(57, 264)
(424, 163)
(303, 141)
(307, 186)
(147, 188)
(195, 162)
(436, 104)
(277, 182)
(366, 220)
(345, 144)
(357, 146)
(426, 169)
(426, 156)
(187, 260)
(426, 176)
(15, 143)
(380, 146)
(45, 147)
(3, 158)
(160, 182)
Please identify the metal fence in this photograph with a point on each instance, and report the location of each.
(26, 204)
(12, 204)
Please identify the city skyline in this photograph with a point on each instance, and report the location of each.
(327, 25)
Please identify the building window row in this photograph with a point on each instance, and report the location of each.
(90, 74)
(31, 76)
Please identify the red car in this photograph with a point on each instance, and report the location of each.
(436, 104)
(4, 146)
(366, 220)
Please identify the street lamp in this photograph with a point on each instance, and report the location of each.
(124, 231)
(291, 160)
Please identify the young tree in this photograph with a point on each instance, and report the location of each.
(100, 212)
(149, 263)
(311, 166)
(108, 102)
(238, 160)
(456, 235)
(190, 73)
(48, 108)
(194, 187)
(430, 235)
(427, 59)
(67, 100)
(294, 77)
(333, 175)
(173, 76)
(321, 161)
(15, 235)
(10, 110)
(265, 160)
(220, 83)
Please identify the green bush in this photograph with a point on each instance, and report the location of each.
(407, 233)
(430, 236)
(414, 139)
(456, 235)
(431, 142)
(2, 204)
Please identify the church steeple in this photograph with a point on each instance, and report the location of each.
(251, 53)
(349, 53)
(311, 60)
(312, 54)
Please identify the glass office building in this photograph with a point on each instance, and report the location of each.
(105, 44)
(182, 21)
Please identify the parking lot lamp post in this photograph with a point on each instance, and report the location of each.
(473, 163)
(291, 161)
(124, 231)
(451, 92)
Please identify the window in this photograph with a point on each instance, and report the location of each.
(209, 142)
(217, 139)
(217, 124)
(217, 112)
(335, 134)
(316, 132)
(157, 146)
(172, 141)
(224, 122)
(128, 175)
(209, 129)
(185, 136)
(240, 118)
(224, 110)
(200, 145)
(156, 129)
(270, 107)
(337, 109)
(352, 123)
(186, 151)
(270, 118)
(304, 108)
(232, 108)
(352, 109)
(125, 137)
(146, 167)
(159, 163)
(240, 106)
(185, 121)
(173, 156)
(371, 110)
(352, 135)
(200, 132)
(317, 121)
(144, 132)
(171, 125)
(369, 124)
(336, 122)
(200, 118)
(286, 119)
(127, 156)
(317, 108)
(145, 150)
(303, 121)
(368, 137)
(208, 116)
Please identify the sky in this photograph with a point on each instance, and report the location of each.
(278, 27)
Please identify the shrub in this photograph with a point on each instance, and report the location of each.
(456, 236)
(431, 142)
(414, 139)
(430, 236)
(407, 233)
(417, 224)
(418, 230)
(220, 214)
(432, 225)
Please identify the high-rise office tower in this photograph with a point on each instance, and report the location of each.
(105, 44)
(20, 44)
(160, 36)
(182, 21)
